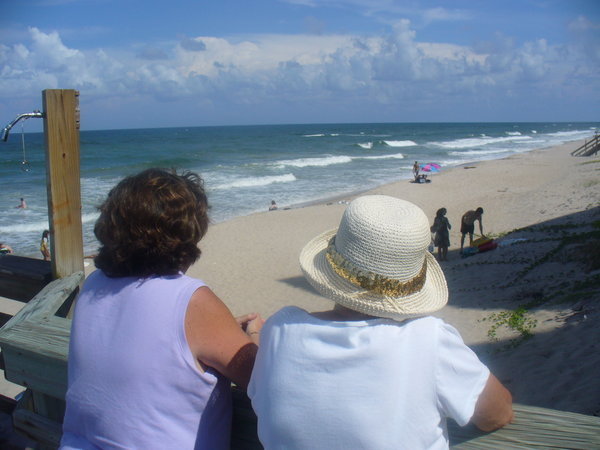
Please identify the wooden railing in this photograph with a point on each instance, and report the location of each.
(35, 347)
(589, 148)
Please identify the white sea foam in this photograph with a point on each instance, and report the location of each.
(256, 181)
(400, 143)
(394, 156)
(314, 135)
(478, 142)
(317, 162)
(89, 217)
(29, 227)
(569, 134)
(367, 145)
(513, 133)
(479, 152)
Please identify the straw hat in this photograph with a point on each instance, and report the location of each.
(377, 261)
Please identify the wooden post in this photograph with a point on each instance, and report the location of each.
(61, 130)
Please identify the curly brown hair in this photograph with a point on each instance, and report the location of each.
(151, 223)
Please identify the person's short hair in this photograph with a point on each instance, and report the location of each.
(151, 223)
(479, 210)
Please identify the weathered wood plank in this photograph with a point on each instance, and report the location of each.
(45, 431)
(61, 130)
(35, 342)
(22, 278)
(45, 303)
(532, 427)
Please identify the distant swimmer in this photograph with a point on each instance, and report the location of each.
(22, 205)
(273, 206)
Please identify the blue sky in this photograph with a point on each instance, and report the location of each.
(142, 64)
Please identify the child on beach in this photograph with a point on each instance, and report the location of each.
(152, 351)
(45, 245)
(377, 371)
(441, 227)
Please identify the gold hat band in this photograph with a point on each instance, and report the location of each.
(371, 281)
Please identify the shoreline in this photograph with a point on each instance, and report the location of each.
(536, 197)
(353, 194)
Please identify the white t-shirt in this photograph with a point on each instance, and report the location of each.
(371, 384)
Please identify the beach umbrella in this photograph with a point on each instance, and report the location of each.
(431, 167)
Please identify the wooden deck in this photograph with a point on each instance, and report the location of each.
(35, 345)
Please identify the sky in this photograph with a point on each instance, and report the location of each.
(147, 63)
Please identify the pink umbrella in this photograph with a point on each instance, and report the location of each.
(431, 167)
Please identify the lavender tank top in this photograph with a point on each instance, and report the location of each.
(133, 381)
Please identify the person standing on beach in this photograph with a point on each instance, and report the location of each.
(415, 170)
(378, 369)
(467, 225)
(45, 245)
(152, 351)
(441, 227)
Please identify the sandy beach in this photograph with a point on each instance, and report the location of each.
(541, 207)
(533, 200)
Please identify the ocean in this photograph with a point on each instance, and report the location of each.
(245, 167)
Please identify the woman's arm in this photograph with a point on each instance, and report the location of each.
(216, 338)
(493, 409)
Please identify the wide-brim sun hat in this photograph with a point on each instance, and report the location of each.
(377, 261)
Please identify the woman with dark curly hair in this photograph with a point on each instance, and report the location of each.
(152, 350)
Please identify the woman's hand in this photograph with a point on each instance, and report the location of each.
(251, 323)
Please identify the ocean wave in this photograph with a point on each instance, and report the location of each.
(569, 134)
(89, 217)
(513, 133)
(314, 135)
(41, 225)
(478, 142)
(394, 156)
(316, 162)
(367, 145)
(257, 181)
(480, 152)
(30, 227)
(400, 143)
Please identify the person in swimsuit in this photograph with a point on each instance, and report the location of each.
(45, 246)
(467, 225)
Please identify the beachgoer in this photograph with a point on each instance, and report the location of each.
(5, 249)
(45, 246)
(22, 205)
(377, 371)
(415, 170)
(152, 351)
(467, 225)
(441, 227)
(273, 206)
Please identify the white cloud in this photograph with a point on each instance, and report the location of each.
(331, 69)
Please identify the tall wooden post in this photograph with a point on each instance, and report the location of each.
(61, 130)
